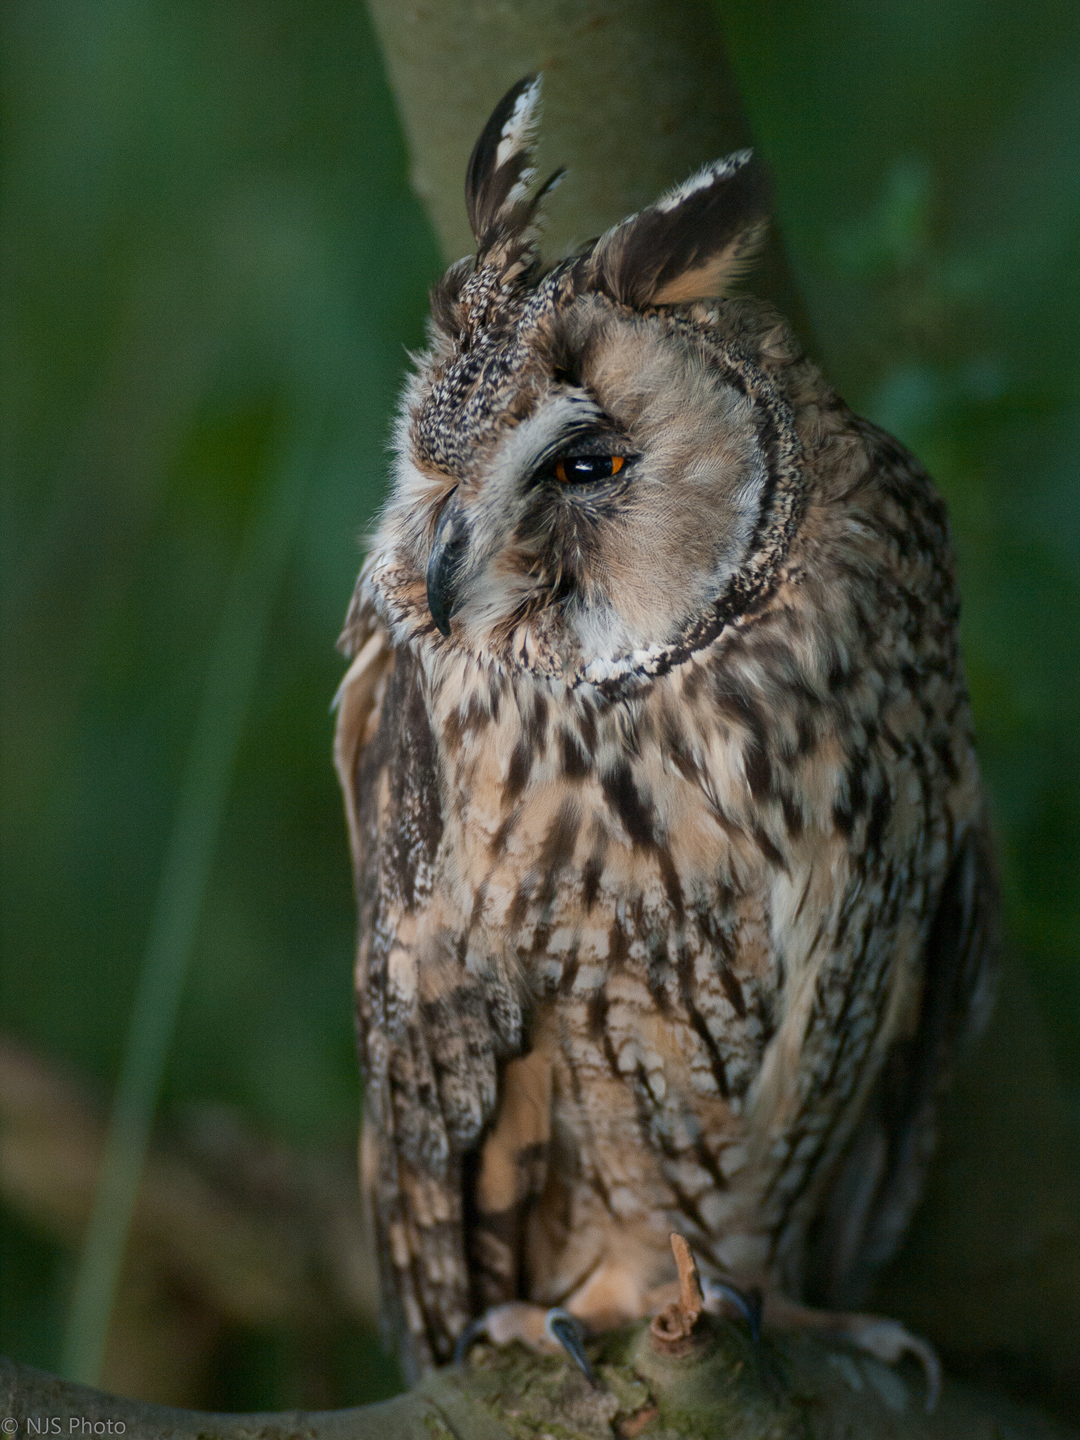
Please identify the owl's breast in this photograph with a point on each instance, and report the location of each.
(617, 876)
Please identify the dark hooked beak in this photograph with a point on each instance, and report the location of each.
(445, 566)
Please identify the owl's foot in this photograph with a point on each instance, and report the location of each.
(560, 1325)
(719, 1296)
(886, 1340)
(545, 1331)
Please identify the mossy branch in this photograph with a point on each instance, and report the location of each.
(784, 1388)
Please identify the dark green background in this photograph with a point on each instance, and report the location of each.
(211, 267)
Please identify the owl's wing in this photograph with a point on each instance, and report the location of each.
(879, 1179)
(358, 703)
(426, 1041)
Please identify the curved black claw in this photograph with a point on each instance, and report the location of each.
(748, 1303)
(566, 1330)
(472, 1331)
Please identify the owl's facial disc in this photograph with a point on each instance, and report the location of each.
(576, 479)
(609, 513)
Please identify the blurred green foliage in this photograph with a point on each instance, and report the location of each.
(209, 249)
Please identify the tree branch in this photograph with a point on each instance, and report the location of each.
(785, 1388)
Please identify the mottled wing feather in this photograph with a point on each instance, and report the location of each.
(426, 1045)
(880, 1178)
(358, 703)
(905, 798)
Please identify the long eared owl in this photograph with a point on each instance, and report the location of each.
(675, 894)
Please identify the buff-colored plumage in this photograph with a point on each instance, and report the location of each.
(675, 896)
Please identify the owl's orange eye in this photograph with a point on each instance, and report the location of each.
(580, 469)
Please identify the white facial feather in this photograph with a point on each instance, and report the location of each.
(493, 589)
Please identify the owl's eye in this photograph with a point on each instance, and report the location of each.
(580, 469)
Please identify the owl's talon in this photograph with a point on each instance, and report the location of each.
(566, 1330)
(889, 1341)
(746, 1302)
(472, 1332)
(545, 1331)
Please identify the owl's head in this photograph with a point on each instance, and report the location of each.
(592, 467)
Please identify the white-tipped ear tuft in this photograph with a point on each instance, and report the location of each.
(501, 168)
(693, 243)
(518, 133)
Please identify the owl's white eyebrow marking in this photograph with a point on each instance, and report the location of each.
(496, 506)
(538, 437)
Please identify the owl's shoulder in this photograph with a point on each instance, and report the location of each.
(387, 758)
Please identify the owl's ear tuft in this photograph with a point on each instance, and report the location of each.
(501, 171)
(692, 244)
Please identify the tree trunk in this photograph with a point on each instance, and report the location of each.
(637, 94)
